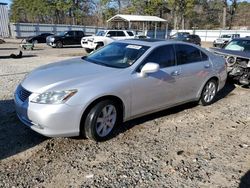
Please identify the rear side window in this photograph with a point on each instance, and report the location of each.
(130, 33)
(79, 33)
(120, 34)
(163, 55)
(204, 57)
(186, 54)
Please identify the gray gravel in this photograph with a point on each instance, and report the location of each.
(186, 146)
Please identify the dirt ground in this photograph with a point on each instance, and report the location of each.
(185, 146)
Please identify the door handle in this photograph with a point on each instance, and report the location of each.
(207, 66)
(175, 73)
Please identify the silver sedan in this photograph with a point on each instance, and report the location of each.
(91, 95)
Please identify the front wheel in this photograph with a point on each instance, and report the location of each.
(101, 120)
(209, 93)
(59, 44)
(88, 50)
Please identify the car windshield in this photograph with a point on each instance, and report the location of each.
(238, 45)
(225, 36)
(117, 55)
(100, 33)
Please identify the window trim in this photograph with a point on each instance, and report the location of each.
(138, 69)
(201, 60)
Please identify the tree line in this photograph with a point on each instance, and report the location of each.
(180, 14)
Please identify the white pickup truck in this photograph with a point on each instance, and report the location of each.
(105, 37)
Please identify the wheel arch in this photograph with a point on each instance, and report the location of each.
(114, 98)
(211, 78)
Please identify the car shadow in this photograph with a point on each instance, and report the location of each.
(77, 46)
(226, 91)
(15, 137)
(245, 180)
(8, 48)
(23, 56)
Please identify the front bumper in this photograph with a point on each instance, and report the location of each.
(60, 120)
(89, 45)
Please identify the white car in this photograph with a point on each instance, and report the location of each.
(224, 39)
(105, 37)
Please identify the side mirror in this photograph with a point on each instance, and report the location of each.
(108, 35)
(149, 68)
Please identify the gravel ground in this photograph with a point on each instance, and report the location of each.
(185, 146)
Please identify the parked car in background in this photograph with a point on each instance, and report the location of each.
(186, 37)
(105, 37)
(125, 79)
(65, 38)
(39, 38)
(237, 56)
(224, 39)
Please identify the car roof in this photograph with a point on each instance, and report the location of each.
(151, 42)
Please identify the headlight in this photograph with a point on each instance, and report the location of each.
(52, 39)
(54, 97)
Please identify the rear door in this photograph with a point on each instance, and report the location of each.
(194, 69)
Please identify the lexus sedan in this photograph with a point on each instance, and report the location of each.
(126, 79)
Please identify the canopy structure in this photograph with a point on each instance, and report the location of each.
(135, 18)
(129, 19)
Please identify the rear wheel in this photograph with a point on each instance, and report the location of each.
(101, 120)
(209, 92)
(59, 44)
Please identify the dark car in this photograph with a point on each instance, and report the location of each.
(39, 38)
(237, 56)
(65, 38)
(186, 37)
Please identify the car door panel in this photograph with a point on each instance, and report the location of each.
(194, 70)
(157, 88)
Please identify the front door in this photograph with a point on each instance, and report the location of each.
(156, 90)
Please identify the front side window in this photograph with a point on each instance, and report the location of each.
(70, 33)
(186, 54)
(117, 55)
(163, 55)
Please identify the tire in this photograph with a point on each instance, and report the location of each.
(88, 50)
(97, 125)
(209, 93)
(59, 44)
(99, 46)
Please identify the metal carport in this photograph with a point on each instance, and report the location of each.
(136, 18)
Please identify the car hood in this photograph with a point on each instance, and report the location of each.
(66, 74)
(224, 52)
(92, 38)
